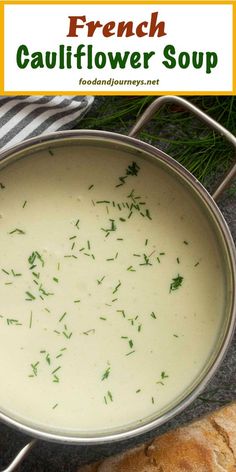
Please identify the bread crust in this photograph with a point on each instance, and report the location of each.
(207, 445)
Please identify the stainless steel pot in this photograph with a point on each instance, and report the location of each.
(207, 204)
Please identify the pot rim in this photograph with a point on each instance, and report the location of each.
(210, 205)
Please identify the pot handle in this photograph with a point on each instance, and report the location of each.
(20, 457)
(156, 105)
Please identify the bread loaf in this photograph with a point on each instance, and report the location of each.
(207, 445)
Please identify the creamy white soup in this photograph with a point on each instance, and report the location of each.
(111, 289)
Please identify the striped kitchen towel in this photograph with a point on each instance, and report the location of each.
(23, 117)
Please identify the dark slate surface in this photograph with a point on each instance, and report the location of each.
(49, 457)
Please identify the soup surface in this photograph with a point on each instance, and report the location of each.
(111, 289)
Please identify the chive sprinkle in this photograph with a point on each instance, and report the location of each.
(17, 231)
(176, 283)
(31, 319)
(117, 287)
(100, 281)
(131, 269)
(129, 353)
(30, 296)
(110, 395)
(106, 374)
(90, 331)
(56, 370)
(62, 317)
(148, 214)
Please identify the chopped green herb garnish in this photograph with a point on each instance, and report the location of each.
(62, 317)
(90, 331)
(117, 287)
(176, 283)
(100, 281)
(15, 274)
(131, 269)
(110, 395)
(122, 312)
(66, 334)
(164, 375)
(30, 296)
(34, 369)
(33, 257)
(71, 255)
(106, 374)
(133, 169)
(11, 321)
(56, 370)
(148, 215)
(146, 260)
(48, 360)
(129, 353)
(111, 229)
(17, 231)
(31, 319)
